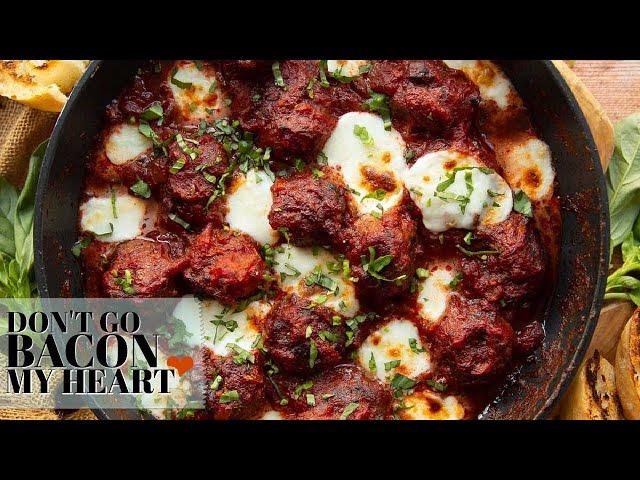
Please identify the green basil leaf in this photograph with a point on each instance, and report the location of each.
(8, 200)
(141, 188)
(623, 178)
(522, 203)
(23, 218)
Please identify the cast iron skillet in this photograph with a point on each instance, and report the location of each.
(571, 310)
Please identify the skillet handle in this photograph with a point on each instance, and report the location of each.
(599, 123)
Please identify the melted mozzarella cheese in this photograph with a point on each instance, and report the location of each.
(133, 215)
(272, 415)
(367, 166)
(390, 343)
(297, 264)
(475, 196)
(218, 326)
(346, 68)
(249, 205)
(124, 143)
(492, 83)
(425, 405)
(189, 311)
(527, 166)
(234, 328)
(198, 100)
(434, 292)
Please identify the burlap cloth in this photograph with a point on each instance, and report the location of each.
(21, 130)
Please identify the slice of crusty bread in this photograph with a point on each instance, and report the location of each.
(628, 367)
(593, 394)
(41, 84)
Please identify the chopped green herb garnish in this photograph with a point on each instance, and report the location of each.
(522, 203)
(229, 396)
(152, 112)
(179, 221)
(349, 409)
(277, 74)
(362, 133)
(141, 188)
(413, 345)
(179, 83)
(80, 245)
(378, 103)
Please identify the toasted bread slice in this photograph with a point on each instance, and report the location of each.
(592, 395)
(628, 368)
(41, 84)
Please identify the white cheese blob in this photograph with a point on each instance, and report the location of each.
(491, 81)
(124, 143)
(453, 190)
(133, 215)
(249, 204)
(272, 415)
(527, 166)
(346, 68)
(219, 327)
(391, 343)
(197, 94)
(294, 265)
(425, 405)
(434, 292)
(224, 327)
(362, 151)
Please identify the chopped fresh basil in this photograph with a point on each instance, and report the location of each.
(388, 366)
(378, 103)
(313, 353)
(378, 194)
(439, 386)
(362, 133)
(229, 396)
(349, 409)
(522, 203)
(277, 74)
(152, 112)
(81, 244)
(413, 345)
(178, 83)
(141, 188)
(179, 221)
(422, 273)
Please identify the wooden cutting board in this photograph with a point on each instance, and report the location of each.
(614, 315)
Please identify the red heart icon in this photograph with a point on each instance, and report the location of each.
(181, 364)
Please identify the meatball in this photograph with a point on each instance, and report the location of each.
(312, 209)
(471, 344)
(238, 393)
(293, 326)
(189, 184)
(286, 119)
(434, 96)
(224, 264)
(143, 268)
(395, 234)
(347, 386)
(517, 271)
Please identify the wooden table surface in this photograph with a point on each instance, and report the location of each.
(614, 83)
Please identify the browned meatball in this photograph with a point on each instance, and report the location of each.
(293, 326)
(395, 234)
(312, 209)
(517, 271)
(347, 386)
(240, 390)
(286, 119)
(143, 268)
(224, 264)
(189, 184)
(197, 215)
(434, 96)
(472, 344)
